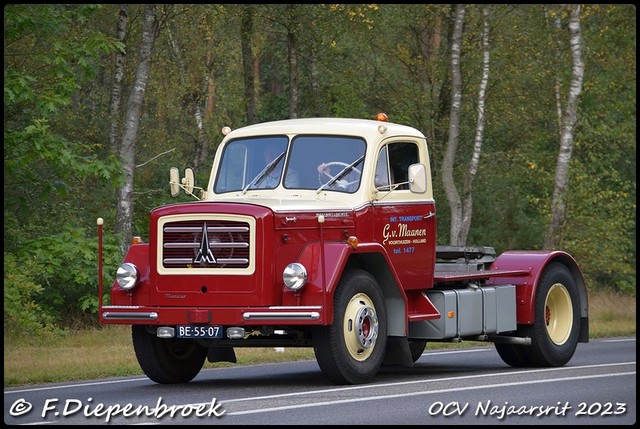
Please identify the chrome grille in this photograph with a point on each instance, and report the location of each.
(226, 244)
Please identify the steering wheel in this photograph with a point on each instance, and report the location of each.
(324, 169)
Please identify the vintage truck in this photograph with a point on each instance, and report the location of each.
(322, 233)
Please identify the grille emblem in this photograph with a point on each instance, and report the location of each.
(204, 256)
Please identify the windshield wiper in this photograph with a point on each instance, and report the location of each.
(268, 169)
(340, 175)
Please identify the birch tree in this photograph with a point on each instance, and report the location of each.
(448, 183)
(467, 208)
(246, 31)
(127, 153)
(553, 236)
(292, 56)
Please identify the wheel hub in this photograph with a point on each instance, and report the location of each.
(360, 327)
(366, 327)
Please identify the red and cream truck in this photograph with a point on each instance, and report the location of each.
(322, 233)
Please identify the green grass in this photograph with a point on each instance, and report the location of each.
(107, 352)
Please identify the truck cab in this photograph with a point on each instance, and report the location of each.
(322, 233)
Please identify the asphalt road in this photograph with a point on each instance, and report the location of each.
(461, 386)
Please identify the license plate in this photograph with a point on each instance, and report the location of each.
(192, 331)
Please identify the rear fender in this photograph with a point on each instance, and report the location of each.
(526, 286)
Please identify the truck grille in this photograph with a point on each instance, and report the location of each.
(206, 243)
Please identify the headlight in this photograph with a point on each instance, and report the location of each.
(294, 276)
(127, 276)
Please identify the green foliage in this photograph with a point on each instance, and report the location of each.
(22, 314)
(50, 54)
(66, 265)
(50, 168)
(602, 223)
(63, 55)
(63, 52)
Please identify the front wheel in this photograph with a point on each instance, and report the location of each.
(514, 355)
(417, 347)
(351, 349)
(169, 360)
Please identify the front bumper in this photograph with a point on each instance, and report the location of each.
(236, 316)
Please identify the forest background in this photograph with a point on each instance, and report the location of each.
(78, 126)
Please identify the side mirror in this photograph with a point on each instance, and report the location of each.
(418, 178)
(174, 181)
(188, 181)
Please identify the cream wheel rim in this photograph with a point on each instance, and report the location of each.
(558, 314)
(360, 327)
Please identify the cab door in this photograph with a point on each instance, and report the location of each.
(404, 220)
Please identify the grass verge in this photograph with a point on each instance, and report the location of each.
(107, 352)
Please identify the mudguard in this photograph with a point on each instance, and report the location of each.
(526, 286)
(334, 257)
(138, 255)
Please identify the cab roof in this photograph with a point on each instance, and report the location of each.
(335, 126)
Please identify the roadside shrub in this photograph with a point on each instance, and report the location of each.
(22, 315)
(65, 266)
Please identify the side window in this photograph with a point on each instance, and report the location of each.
(393, 163)
(381, 180)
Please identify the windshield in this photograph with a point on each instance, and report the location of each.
(253, 163)
(320, 163)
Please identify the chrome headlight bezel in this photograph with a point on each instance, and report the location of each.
(127, 276)
(294, 276)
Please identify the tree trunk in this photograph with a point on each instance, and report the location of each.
(429, 40)
(292, 47)
(315, 82)
(201, 149)
(467, 208)
(116, 88)
(553, 236)
(247, 63)
(210, 87)
(453, 198)
(132, 121)
(195, 95)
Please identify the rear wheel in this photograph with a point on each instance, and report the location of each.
(351, 349)
(167, 360)
(554, 334)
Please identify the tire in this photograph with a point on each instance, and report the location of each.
(167, 361)
(351, 349)
(554, 334)
(513, 355)
(555, 331)
(417, 348)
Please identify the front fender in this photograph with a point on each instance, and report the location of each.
(138, 255)
(325, 265)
